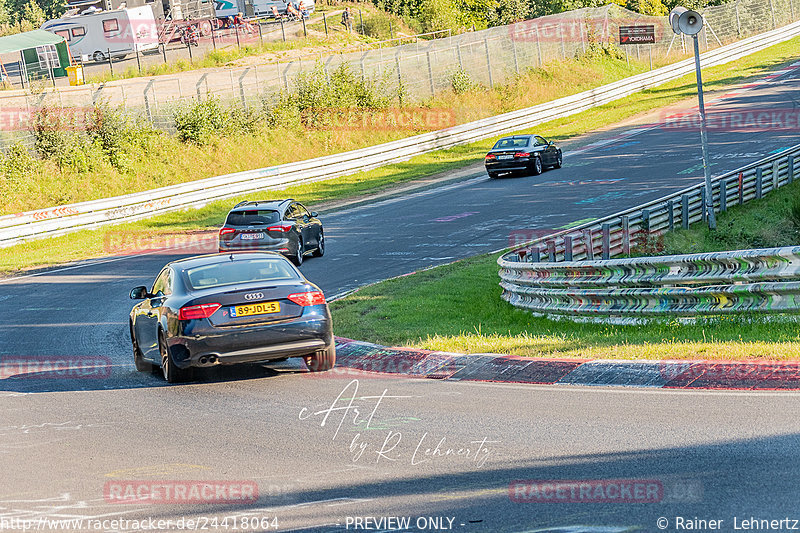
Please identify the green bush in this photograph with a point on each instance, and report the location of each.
(381, 25)
(199, 122)
(17, 166)
(461, 81)
(60, 136)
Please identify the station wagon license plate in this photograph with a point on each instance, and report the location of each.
(262, 308)
(505, 157)
(252, 236)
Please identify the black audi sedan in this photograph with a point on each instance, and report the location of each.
(284, 226)
(224, 309)
(522, 153)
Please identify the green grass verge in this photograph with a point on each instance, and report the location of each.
(91, 243)
(458, 308)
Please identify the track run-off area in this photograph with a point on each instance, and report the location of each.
(327, 452)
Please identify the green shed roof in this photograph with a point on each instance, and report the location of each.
(29, 39)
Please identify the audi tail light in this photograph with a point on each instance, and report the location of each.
(307, 298)
(193, 312)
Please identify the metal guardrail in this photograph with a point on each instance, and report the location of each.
(59, 220)
(579, 278)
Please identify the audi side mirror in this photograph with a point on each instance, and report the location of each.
(139, 293)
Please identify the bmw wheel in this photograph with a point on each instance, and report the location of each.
(559, 160)
(537, 165)
(320, 251)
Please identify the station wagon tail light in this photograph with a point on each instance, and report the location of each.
(225, 231)
(307, 298)
(194, 312)
(522, 154)
(490, 157)
(280, 228)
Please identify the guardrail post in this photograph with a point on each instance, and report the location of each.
(626, 235)
(606, 241)
(670, 215)
(703, 202)
(567, 248)
(534, 255)
(759, 177)
(646, 220)
(589, 242)
(775, 174)
(685, 211)
(723, 196)
(741, 188)
(551, 250)
(790, 169)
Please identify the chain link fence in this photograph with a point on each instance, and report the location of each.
(416, 70)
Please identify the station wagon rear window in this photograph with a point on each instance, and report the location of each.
(511, 143)
(240, 271)
(254, 217)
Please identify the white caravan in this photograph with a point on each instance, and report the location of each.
(261, 8)
(95, 33)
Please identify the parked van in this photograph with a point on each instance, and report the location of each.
(96, 33)
(261, 8)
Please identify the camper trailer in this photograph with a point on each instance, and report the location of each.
(256, 8)
(94, 33)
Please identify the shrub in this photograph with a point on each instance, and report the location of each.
(199, 122)
(60, 136)
(461, 81)
(18, 166)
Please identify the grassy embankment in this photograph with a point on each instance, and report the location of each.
(458, 307)
(164, 160)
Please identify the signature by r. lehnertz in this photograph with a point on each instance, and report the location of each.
(353, 411)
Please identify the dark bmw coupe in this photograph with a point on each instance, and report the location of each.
(223, 309)
(528, 154)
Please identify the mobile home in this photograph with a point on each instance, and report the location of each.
(95, 34)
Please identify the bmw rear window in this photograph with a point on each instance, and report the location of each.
(240, 271)
(252, 217)
(511, 143)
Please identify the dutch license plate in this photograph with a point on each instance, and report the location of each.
(505, 157)
(252, 236)
(263, 308)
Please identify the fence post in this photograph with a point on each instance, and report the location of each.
(261, 34)
(759, 177)
(670, 215)
(303, 20)
(399, 78)
(164, 51)
(606, 241)
(514, 50)
(738, 22)
(283, 31)
(110, 61)
(723, 196)
(626, 235)
(189, 46)
(685, 211)
(241, 88)
(214, 39)
(360, 18)
(772, 9)
(538, 48)
(430, 73)
(325, 21)
(567, 248)
(458, 53)
(589, 242)
(488, 60)
(551, 250)
(138, 63)
(561, 37)
(790, 169)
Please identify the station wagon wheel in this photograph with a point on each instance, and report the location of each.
(298, 255)
(537, 165)
(320, 251)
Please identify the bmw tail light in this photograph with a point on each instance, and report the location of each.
(225, 231)
(281, 228)
(491, 157)
(522, 154)
(194, 312)
(307, 298)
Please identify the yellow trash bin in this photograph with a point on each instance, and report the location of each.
(75, 74)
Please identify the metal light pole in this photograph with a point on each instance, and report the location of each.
(690, 23)
(709, 207)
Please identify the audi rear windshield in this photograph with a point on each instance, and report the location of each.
(252, 217)
(238, 271)
(519, 142)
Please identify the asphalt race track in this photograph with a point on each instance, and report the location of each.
(446, 455)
